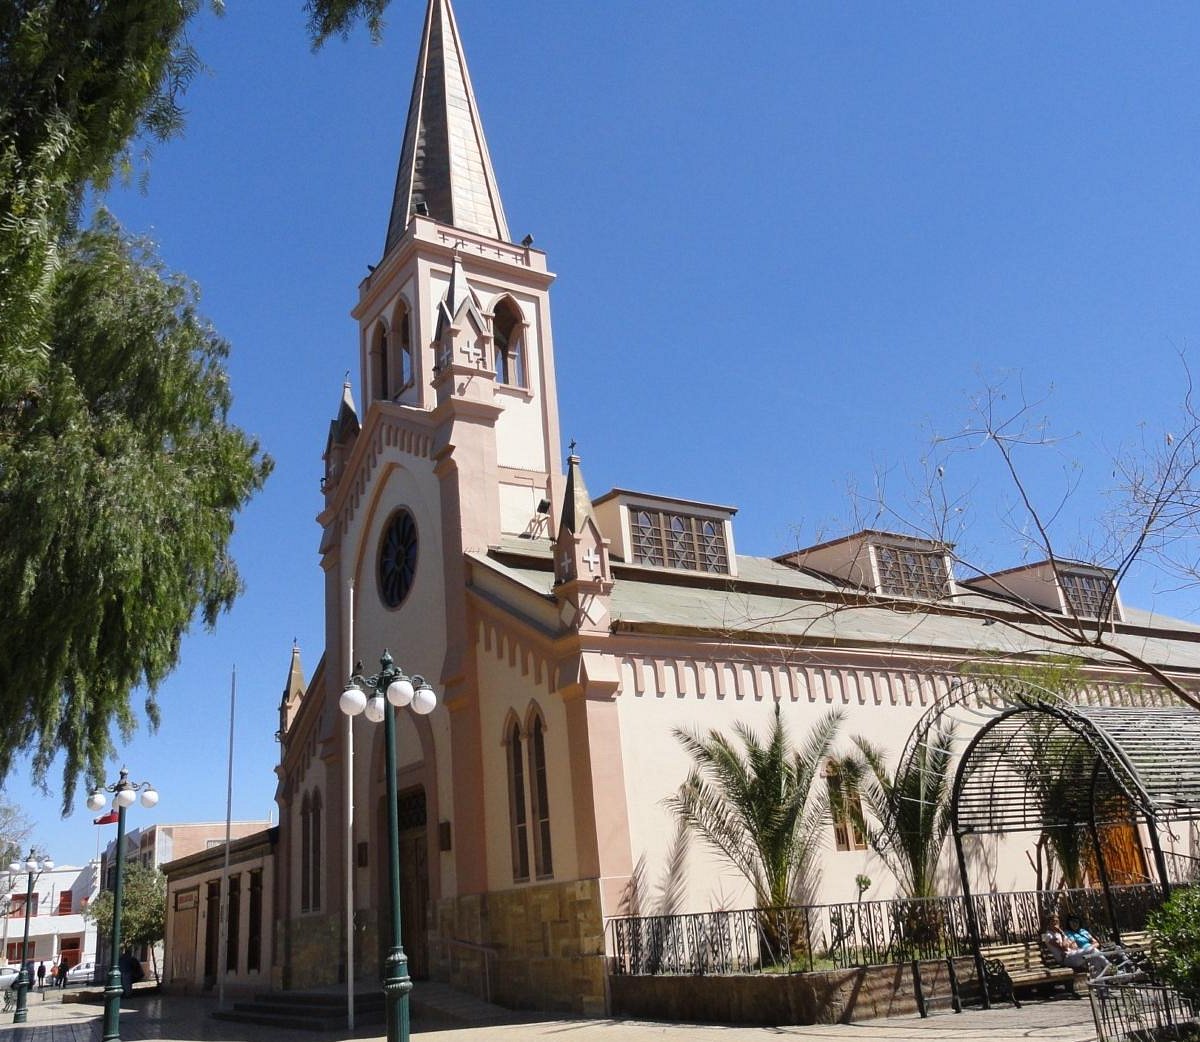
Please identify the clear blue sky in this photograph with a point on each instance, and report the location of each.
(790, 239)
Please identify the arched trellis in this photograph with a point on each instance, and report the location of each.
(1098, 761)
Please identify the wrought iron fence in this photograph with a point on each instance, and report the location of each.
(860, 933)
(1142, 1013)
(1181, 868)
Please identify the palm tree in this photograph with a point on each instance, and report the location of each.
(764, 808)
(910, 808)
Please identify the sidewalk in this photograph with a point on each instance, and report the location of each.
(177, 1019)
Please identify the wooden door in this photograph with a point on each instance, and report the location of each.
(414, 883)
(184, 921)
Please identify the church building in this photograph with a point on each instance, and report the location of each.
(567, 637)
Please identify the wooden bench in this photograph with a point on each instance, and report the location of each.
(1021, 964)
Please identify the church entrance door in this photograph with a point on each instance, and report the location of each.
(414, 883)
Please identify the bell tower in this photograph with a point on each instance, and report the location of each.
(454, 321)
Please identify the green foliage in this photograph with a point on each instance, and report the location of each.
(143, 907)
(119, 484)
(910, 808)
(764, 806)
(328, 18)
(119, 471)
(1175, 932)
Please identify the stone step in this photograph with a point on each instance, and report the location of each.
(326, 1010)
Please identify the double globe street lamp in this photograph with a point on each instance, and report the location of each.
(33, 866)
(374, 697)
(124, 793)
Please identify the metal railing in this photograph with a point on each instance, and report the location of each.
(1142, 1013)
(862, 933)
(486, 954)
(1181, 868)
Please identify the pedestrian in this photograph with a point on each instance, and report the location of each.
(126, 964)
(62, 973)
(41, 974)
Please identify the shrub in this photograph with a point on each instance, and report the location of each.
(1175, 930)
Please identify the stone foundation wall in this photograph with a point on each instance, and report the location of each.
(548, 943)
(314, 950)
(835, 996)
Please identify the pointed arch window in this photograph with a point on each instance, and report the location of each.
(315, 902)
(517, 816)
(305, 845)
(542, 856)
(379, 363)
(508, 338)
(310, 851)
(404, 357)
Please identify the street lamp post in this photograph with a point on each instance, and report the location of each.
(375, 696)
(33, 866)
(124, 793)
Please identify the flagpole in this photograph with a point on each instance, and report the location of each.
(350, 827)
(224, 941)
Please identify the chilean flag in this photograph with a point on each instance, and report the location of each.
(106, 819)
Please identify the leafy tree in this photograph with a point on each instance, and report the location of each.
(1175, 932)
(763, 806)
(910, 808)
(14, 832)
(120, 474)
(143, 907)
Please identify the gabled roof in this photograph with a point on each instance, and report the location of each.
(444, 165)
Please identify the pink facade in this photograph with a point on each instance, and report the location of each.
(567, 638)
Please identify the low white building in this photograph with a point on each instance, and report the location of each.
(57, 927)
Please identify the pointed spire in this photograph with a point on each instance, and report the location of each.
(295, 679)
(347, 421)
(445, 165)
(458, 291)
(577, 504)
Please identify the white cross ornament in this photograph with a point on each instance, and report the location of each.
(591, 559)
(564, 565)
(473, 351)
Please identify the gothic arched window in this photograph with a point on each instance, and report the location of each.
(310, 851)
(379, 363)
(315, 851)
(517, 817)
(508, 329)
(539, 785)
(404, 357)
(305, 845)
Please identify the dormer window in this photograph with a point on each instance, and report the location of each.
(1088, 595)
(674, 540)
(909, 572)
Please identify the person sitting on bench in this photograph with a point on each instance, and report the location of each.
(1121, 958)
(1066, 952)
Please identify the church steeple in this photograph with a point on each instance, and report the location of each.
(445, 169)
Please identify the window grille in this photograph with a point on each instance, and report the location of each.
(905, 572)
(678, 541)
(1088, 596)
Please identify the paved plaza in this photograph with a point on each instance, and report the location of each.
(173, 1019)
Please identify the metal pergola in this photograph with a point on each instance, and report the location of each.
(1041, 760)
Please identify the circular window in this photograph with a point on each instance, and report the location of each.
(398, 558)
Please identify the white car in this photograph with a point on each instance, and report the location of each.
(8, 976)
(82, 972)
